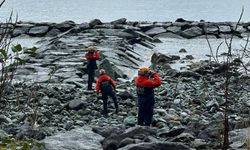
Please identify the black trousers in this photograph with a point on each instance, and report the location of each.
(105, 96)
(145, 109)
(91, 78)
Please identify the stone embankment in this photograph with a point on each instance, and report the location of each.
(189, 104)
(179, 29)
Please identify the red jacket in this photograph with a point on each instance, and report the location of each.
(144, 81)
(103, 78)
(95, 56)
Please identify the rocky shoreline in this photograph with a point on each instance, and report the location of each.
(189, 108)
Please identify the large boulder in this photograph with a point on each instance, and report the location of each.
(113, 141)
(111, 70)
(155, 31)
(224, 29)
(159, 58)
(192, 32)
(38, 30)
(76, 139)
(95, 22)
(119, 21)
(240, 138)
(156, 146)
(66, 25)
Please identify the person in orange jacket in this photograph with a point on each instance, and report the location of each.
(145, 92)
(92, 55)
(107, 87)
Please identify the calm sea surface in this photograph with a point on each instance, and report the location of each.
(134, 10)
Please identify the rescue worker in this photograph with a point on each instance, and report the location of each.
(145, 92)
(107, 87)
(92, 55)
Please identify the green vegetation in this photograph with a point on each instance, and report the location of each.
(11, 143)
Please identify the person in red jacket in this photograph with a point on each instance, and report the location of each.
(92, 55)
(107, 87)
(145, 92)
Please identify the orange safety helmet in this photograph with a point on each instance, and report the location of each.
(90, 49)
(143, 70)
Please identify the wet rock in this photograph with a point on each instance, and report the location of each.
(38, 31)
(155, 31)
(53, 32)
(66, 25)
(192, 32)
(156, 146)
(80, 138)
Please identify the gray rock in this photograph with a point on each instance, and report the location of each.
(189, 57)
(183, 50)
(211, 30)
(130, 121)
(174, 29)
(124, 94)
(114, 140)
(76, 139)
(38, 31)
(155, 31)
(168, 35)
(145, 27)
(156, 146)
(84, 26)
(3, 134)
(158, 58)
(66, 25)
(119, 21)
(224, 29)
(95, 22)
(192, 32)
(75, 104)
(126, 142)
(107, 131)
(239, 138)
(239, 29)
(4, 119)
(111, 70)
(53, 32)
